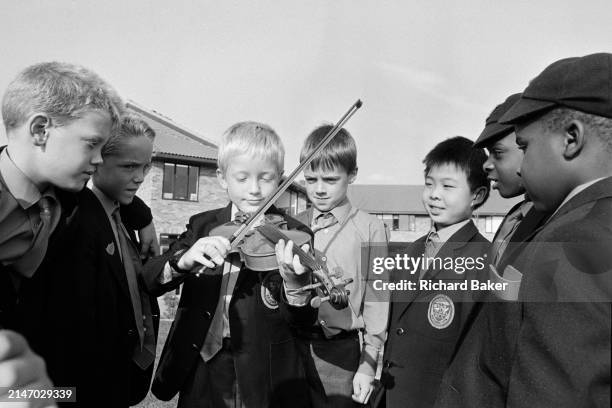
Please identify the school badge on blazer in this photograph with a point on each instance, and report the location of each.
(441, 311)
(271, 286)
(110, 249)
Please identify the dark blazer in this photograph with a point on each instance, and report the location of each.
(417, 353)
(551, 348)
(268, 368)
(91, 340)
(21, 299)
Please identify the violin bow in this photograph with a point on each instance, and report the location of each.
(239, 234)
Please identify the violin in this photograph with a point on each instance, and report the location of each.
(259, 254)
(255, 250)
(327, 291)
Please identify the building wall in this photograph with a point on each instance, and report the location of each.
(423, 225)
(171, 216)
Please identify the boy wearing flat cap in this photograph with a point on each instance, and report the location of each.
(550, 347)
(501, 166)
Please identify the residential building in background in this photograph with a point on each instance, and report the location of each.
(401, 208)
(183, 180)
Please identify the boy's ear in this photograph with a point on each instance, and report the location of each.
(39, 125)
(221, 178)
(479, 195)
(352, 175)
(574, 138)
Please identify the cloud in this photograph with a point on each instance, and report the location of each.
(431, 84)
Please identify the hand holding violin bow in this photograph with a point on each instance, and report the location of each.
(255, 250)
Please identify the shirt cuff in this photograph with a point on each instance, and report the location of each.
(167, 275)
(295, 297)
(368, 361)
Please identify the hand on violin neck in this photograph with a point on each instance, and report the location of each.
(208, 251)
(291, 269)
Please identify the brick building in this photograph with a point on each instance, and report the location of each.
(400, 207)
(183, 181)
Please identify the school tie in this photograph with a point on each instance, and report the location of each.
(432, 244)
(144, 353)
(48, 219)
(505, 233)
(323, 221)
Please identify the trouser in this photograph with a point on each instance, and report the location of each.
(213, 384)
(330, 365)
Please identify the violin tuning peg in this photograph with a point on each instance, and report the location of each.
(316, 301)
(309, 287)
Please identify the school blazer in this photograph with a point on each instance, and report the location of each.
(551, 347)
(419, 350)
(532, 220)
(90, 327)
(269, 371)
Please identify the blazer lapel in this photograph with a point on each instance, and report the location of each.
(601, 189)
(111, 250)
(454, 244)
(416, 250)
(527, 228)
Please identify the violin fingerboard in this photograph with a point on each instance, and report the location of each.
(274, 235)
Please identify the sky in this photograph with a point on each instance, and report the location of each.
(425, 71)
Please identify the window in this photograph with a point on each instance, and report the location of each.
(395, 225)
(180, 182)
(389, 221)
(489, 224)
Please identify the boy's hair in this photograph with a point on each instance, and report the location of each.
(460, 151)
(340, 152)
(61, 90)
(558, 118)
(130, 126)
(253, 139)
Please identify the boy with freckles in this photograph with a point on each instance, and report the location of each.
(107, 333)
(57, 118)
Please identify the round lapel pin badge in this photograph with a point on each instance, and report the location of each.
(441, 311)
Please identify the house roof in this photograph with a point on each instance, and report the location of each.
(174, 141)
(406, 199)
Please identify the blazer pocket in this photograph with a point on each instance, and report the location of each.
(510, 283)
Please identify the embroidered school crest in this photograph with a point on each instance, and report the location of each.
(271, 286)
(441, 311)
(110, 249)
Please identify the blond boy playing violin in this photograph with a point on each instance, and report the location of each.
(230, 344)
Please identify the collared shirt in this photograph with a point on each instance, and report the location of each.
(447, 232)
(507, 229)
(342, 243)
(19, 212)
(577, 190)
